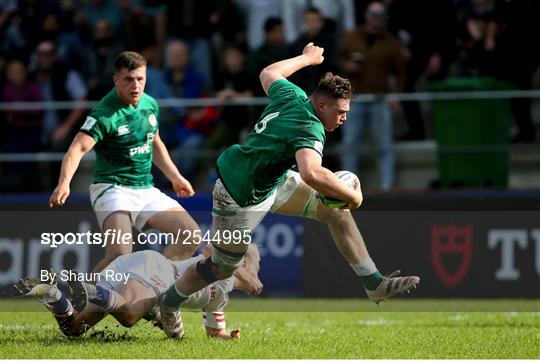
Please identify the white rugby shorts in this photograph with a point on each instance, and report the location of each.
(141, 203)
(229, 215)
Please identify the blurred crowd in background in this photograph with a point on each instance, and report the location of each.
(56, 50)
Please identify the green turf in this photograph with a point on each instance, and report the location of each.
(512, 332)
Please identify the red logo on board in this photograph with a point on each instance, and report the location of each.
(451, 240)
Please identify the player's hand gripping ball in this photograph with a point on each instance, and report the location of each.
(350, 179)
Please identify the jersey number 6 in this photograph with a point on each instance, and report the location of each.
(260, 126)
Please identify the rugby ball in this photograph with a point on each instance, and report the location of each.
(349, 178)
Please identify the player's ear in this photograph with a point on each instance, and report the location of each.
(323, 102)
(318, 104)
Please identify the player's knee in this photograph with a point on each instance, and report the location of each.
(220, 265)
(128, 320)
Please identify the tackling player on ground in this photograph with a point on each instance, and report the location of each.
(256, 178)
(123, 131)
(149, 274)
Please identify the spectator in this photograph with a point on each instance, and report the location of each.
(191, 22)
(194, 124)
(145, 24)
(7, 9)
(428, 39)
(339, 16)
(92, 11)
(183, 80)
(229, 24)
(71, 51)
(257, 13)
(313, 24)
(519, 61)
(156, 85)
(370, 56)
(57, 83)
(22, 126)
(25, 125)
(235, 82)
(23, 25)
(478, 25)
(99, 65)
(273, 49)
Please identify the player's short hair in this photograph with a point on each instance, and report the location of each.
(334, 87)
(129, 60)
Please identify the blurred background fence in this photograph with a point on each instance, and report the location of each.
(468, 145)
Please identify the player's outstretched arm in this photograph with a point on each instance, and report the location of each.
(323, 180)
(82, 144)
(163, 161)
(311, 55)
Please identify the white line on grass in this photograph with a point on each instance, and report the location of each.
(375, 322)
(25, 327)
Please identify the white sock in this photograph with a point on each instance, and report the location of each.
(364, 268)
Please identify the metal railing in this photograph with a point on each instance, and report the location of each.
(255, 101)
(379, 100)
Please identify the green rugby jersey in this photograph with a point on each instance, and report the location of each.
(124, 138)
(252, 171)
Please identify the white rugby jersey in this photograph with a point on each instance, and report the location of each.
(212, 299)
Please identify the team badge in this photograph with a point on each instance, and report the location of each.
(152, 120)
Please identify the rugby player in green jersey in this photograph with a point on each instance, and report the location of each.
(123, 131)
(255, 178)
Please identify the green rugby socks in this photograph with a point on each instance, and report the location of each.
(368, 273)
(173, 297)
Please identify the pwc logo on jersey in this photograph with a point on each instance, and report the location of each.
(142, 149)
(145, 148)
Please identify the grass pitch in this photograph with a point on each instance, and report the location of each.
(354, 329)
